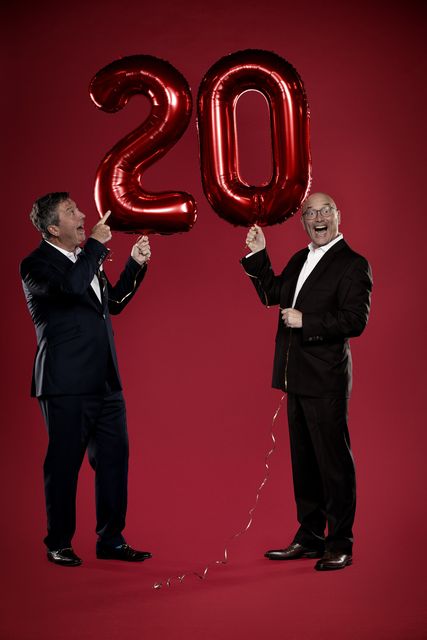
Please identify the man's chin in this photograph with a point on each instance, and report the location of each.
(320, 241)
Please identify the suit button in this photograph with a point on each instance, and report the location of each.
(104, 316)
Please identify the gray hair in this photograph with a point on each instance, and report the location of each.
(45, 211)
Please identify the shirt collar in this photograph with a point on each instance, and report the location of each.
(325, 247)
(69, 254)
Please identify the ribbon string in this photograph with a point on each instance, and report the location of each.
(202, 574)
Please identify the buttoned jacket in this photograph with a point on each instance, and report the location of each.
(335, 302)
(75, 342)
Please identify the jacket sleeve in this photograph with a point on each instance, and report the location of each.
(42, 278)
(349, 318)
(267, 284)
(123, 291)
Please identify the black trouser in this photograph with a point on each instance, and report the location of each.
(323, 471)
(76, 423)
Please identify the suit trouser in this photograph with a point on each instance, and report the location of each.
(76, 423)
(323, 471)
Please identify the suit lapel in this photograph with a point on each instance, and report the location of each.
(94, 298)
(290, 281)
(318, 270)
(103, 286)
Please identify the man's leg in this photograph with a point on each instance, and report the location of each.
(327, 420)
(65, 420)
(308, 486)
(108, 454)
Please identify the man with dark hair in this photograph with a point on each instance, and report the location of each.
(75, 376)
(324, 296)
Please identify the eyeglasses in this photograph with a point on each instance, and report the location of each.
(325, 212)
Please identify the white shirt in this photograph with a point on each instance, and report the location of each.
(73, 257)
(313, 259)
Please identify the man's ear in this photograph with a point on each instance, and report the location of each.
(53, 230)
(339, 216)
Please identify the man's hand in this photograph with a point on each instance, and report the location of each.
(102, 231)
(292, 318)
(141, 251)
(255, 239)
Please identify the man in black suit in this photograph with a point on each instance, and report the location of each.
(324, 296)
(75, 376)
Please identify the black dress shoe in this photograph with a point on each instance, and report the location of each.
(333, 560)
(66, 557)
(293, 552)
(124, 552)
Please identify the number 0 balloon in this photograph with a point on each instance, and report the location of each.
(232, 198)
(118, 181)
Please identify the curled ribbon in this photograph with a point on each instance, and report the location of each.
(202, 575)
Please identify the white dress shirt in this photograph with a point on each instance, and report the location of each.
(313, 259)
(73, 257)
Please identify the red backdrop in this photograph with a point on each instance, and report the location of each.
(196, 347)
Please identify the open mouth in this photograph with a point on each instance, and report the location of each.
(320, 228)
(80, 228)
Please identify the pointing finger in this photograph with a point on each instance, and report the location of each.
(105, 217)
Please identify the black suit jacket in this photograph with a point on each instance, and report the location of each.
(335, 302)
(75, 345)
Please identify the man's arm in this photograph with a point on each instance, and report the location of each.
(259, 269)
(42, 278)
(351, 316)
(130, 278)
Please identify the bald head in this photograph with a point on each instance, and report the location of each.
(317, 201)
(320, 219)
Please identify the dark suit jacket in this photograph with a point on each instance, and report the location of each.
(75, 344)
(334, 300)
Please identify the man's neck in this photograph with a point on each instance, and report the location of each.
(61, 245)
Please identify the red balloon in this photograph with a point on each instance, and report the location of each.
(118, 179)
(229, 195)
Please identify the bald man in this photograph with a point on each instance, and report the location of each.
(324, 298)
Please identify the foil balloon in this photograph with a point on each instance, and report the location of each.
(118, 185)
(229, 195)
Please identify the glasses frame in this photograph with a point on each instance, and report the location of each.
(313, 212)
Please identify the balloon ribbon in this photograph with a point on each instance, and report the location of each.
(202, 575)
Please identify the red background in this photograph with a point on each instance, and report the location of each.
(196, 346)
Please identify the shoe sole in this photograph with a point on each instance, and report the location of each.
(336, 568)
(310, 554)
(120, 559)
(65, 564)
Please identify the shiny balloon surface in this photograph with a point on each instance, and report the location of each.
(119, 179)
(229, 195)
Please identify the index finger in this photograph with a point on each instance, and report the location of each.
(105, 217)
